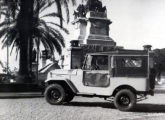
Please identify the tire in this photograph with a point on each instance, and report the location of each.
(125, 100)
(69, 97)
(55, 94)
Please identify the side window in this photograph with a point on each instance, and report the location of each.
(130, 65)
(100, 62)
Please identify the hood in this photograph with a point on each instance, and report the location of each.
(64, 72)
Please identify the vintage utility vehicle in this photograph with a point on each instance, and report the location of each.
(124, 77)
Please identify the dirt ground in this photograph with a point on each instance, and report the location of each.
(81, 108)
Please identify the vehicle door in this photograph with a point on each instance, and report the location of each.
(96, 73)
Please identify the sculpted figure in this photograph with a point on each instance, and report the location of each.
(80, 12)
(94, 5)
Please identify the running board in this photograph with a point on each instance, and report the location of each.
(86, 94)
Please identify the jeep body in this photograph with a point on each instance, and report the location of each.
(124, 77)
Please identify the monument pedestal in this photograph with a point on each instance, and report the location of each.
(73, 58)
(94, 29)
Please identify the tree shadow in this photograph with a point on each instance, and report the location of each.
(91, 104)
(21, 96)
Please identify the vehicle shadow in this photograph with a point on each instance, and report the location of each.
(91, 104)
(150, 108)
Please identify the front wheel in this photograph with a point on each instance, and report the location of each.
(125, 100)
(69, 97)
(55, 94)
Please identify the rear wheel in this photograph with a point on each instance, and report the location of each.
(125, 100)
(55, 94)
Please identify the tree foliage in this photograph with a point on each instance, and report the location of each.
(25, 26)
(46, 32)
(159, 58)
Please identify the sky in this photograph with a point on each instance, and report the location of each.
(137, 22)
(134, 23)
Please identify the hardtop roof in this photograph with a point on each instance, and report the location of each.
(122, 52)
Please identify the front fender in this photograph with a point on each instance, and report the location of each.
(67, 84)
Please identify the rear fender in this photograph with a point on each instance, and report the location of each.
(124, 87)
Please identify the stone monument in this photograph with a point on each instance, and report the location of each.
(91, 32)
(92, 24)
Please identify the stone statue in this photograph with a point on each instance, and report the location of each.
(91, 5)
(94, 5)
(75, 14)
(80, 12)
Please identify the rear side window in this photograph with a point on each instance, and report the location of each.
(132, 62)
(130, 65)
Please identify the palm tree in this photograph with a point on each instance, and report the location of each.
(28, 27)
(50, 37)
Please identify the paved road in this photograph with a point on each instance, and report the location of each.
(79, 109)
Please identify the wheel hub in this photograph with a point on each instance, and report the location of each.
(124, 100)
(55, 94)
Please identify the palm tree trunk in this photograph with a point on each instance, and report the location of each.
(24, 22)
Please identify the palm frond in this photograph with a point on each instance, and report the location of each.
(58, 36)
(44, 5)
(42, 23)
(12, 47)
(17, 49)
(54, 44)
(3, 13)
(7, 23)
(51, 15)
(59, 11)
(14, 44)
(48, 40)
(74, 2)
(40, 34)
(57, 46)
(10, 35)
(66, 10)
(62, 28)
(4, 9)
(4, 39)
(6, 42)
(12, 6)
(3, 31)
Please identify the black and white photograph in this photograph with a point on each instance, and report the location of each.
(82, 60)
